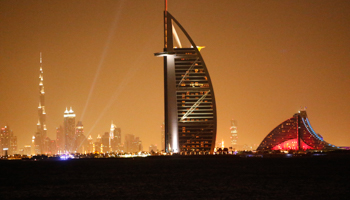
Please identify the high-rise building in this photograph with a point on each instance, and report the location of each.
(115, 139)
(13, 145)
(128, 143)
(80, 138)
(132, 144)
(27, 150)
(69, 130)
(105, 143)
(8, 142)
(51, 147)
(138, 144)
(37, 144)
(33, 146)
(5, 140)
(233, 132)
(90, 145)
(98, 144)
(112, 141)
(190, 109)
(162, 137)
(99, 138)
(60, 140)
(40, 134)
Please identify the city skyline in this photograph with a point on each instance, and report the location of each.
(270, 58)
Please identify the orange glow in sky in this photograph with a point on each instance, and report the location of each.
(265, 59)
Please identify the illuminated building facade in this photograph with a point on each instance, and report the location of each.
(115, 138)
(40, 134)
(97, 148)
(132, 144)
(190, 109)
(27, 150)
(295, 133)
(90, 145)
(33, 146)
(80, 139)
(13, 145)
(60, 140)
(5, 140)
(69, 130)
(51, 147)
(105, 143)
(233, 132)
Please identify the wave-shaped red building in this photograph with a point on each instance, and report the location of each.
(295, 133)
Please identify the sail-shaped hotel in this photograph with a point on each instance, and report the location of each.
(190, 109)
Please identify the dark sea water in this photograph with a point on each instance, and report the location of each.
(178, 177)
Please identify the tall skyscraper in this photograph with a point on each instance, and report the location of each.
(33, 146)
(115, 139)
(80, 139)
(105, 143)
(90, 145)
(98, 144)
(60, 140)
(69, 130)
(5, 140)
(13, 145)
(50, 146)
(132, 144)
(40, 134)
(27, 150)
(190, 109)
(111, 137)
(233, 132)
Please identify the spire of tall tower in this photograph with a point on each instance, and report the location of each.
(112, 126)
(40, 147)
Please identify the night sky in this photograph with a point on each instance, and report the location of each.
(266, 59)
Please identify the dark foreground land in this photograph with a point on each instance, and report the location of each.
(178, 177)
